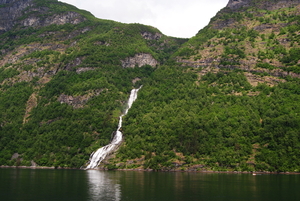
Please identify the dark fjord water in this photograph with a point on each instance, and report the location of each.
(27, 184)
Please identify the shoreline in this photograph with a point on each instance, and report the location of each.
(37, 167)
(209, 171)
(151, 170)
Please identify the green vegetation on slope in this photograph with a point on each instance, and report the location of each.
(250, 38)
(214, 123)
(50, 112)
(234, 105)
(58, 134)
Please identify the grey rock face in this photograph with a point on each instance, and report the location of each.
(151, 36)
(59, 19)
(24, 13)
(263, 4)
(139, 60)
(11, 10)
(78, 101)
(237, 3)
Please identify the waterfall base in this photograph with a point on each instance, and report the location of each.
(103, 152)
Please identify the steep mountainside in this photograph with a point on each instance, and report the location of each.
(64, 77)
(234, 102)
(256, 36)
(226, 99)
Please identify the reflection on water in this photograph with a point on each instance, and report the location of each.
(93, 185)
(178, 186)
(102, 186)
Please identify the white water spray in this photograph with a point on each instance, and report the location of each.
(100, 154)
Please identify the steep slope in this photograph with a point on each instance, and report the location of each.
(256, 36)
(64, 77)
(232, 103)
(227, 99)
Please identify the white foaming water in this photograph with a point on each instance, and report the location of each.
(100, 154)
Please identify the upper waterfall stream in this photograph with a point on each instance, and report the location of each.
(100, 154)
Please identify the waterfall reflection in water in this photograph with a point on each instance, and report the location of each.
(102, 187)
(92, 185)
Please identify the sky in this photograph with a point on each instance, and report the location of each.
(178, 18)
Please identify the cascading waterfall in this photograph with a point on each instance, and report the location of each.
(100, 154)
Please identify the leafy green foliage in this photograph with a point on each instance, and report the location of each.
(292, 57)
(208, 122)
(234, 50)
(186, 52)
(7, 73)
(265, 65)
(183, 116)
(57, 134)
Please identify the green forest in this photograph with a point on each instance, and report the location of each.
(227, 99)
(211, 125)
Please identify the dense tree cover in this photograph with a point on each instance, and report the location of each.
(212, 118)
(7, 73)
(56, 134)
(211, 124)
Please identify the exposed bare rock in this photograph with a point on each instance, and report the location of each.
(15, 56)
(205, 62)
(136, 80)
(74, 63)
(82, 70)
(33, 164)
(281, 73)
(64, 18)
(102, 43)
(12, 10)
(269, 27)
(282, 4)
(59, 19)
(151, 36)
(78, 101)
(254, 80)
(139, 60)
(6, 1)
(234, 4)
(263, 4)
(31, 103)
(224, 23)
(27, 76)
(15, 156)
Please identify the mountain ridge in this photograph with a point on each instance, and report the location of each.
(244, 27)
(224, 100)
(263, 4)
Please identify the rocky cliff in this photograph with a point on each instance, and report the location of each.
(28, 13)
(263, 4)
(231, 103)
(10, 11)
(139, 60)
(234, 4)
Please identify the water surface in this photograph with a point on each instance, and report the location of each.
(30, 184)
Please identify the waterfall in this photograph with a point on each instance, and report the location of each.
(100, 154)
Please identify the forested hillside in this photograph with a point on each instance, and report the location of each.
(65, 77)
(226, 99)
(230, 103)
